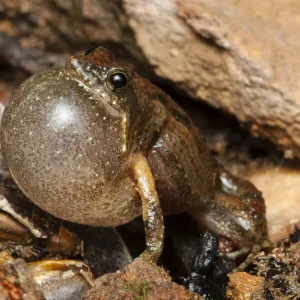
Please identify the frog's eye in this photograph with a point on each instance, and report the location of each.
(118, 80)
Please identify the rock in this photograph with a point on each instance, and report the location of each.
(280, 269)
(209, 270)
(16, 282)
(217, 52)
(62, 279)
(243, 286)
(139, 280)
(281, 190)
(36, 35)
(5, 257)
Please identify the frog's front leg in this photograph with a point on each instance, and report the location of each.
(152, 213)
(237, 211)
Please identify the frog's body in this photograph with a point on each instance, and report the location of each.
(85, 150)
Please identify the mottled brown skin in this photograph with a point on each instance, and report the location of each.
(90, 153)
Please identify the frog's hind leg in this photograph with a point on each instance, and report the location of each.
(237, 212)
(223, 218)
(248, 207)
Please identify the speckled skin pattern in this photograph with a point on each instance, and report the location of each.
(69, 139)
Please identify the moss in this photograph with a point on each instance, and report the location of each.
(139, 290)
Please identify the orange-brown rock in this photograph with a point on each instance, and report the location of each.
(16, 282)
(243, 286)
(139, 280)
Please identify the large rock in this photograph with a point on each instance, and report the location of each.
(239, 56)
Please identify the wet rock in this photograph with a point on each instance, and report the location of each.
(208, 250)
(209, 270)
(62, 279)
(180, 245)
(16, 282)
(139, 280)
(243, 286)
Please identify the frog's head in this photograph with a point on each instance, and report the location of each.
(121, 94)
(98, 71)
(68, 133)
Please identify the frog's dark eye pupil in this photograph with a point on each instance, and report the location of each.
(90, 50)
(118, 80)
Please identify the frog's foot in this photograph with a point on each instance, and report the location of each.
(234, 255)
(228, 216)
(251, 256)
(62, 279)
(237, 212)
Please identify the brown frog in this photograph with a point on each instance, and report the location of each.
(95, 143)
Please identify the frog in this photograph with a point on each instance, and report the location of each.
(95, 143)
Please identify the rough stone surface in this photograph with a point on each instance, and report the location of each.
(139, 280)
(243, 286)
(275, 275)
(17, 283)
(281, 269)
(218, 52)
